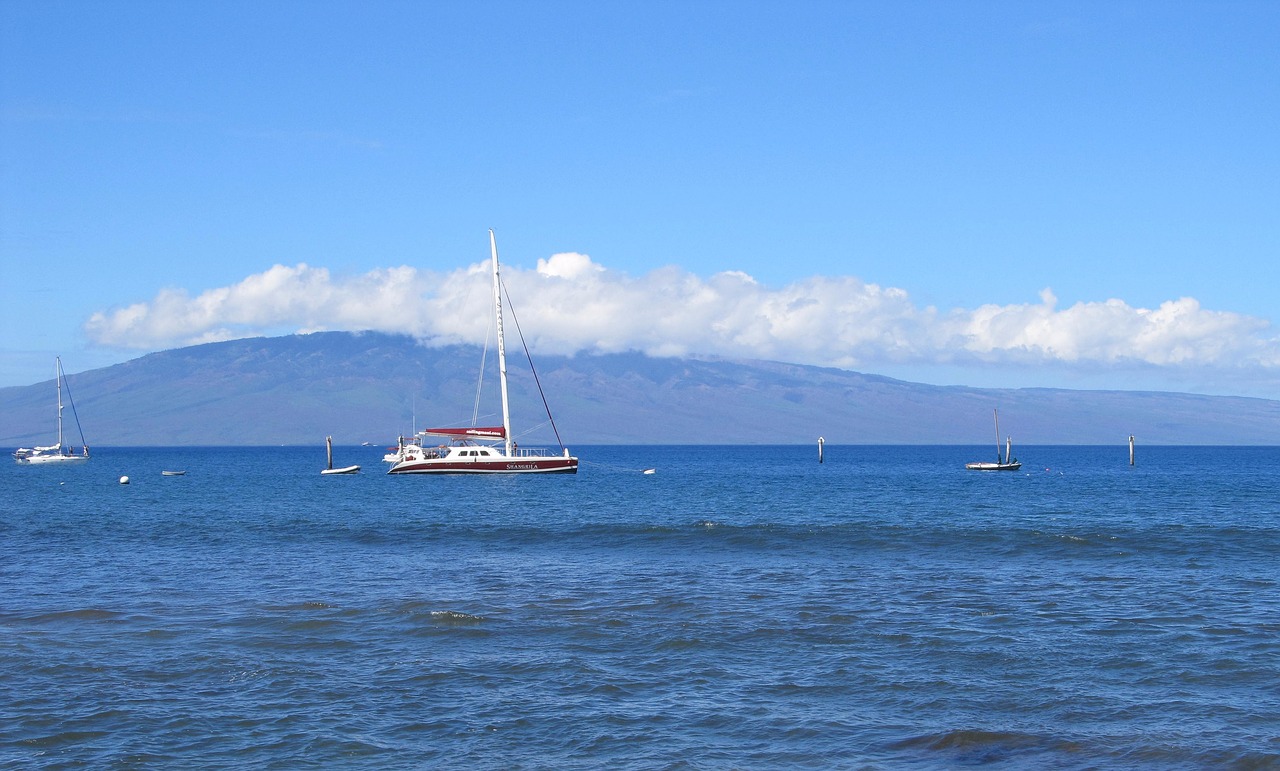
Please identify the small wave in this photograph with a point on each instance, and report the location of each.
(305, 605)
(975, 746)
(81, 614)
(63, 738)
(248, 675)
(1247, 760)
(454, 617)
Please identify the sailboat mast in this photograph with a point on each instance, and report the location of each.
(502, 350)
(996, 415)
(58, 379)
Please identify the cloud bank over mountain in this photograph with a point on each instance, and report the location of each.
(572, 304)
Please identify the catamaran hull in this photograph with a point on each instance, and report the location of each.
(521, 466)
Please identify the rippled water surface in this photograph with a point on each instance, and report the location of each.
(743, 607)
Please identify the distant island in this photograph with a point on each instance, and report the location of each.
(372, 387)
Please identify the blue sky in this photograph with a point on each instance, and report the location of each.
(1070, 194)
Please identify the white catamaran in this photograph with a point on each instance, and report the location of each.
(481, 449)
(56, 453)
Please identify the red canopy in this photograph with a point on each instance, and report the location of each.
(475, 432)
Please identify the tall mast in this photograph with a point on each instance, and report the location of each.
(58, 379)
(996, 415)
(502, 351)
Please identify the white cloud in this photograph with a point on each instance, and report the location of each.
(1177, 333)
(569, 304)
(299, 298)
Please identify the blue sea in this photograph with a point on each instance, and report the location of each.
(741, 608)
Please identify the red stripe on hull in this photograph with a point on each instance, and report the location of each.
(522, 466)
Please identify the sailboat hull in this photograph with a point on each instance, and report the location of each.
(41, 459)
(993, 466)
(544, 465)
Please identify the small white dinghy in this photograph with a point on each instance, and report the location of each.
(328, 443)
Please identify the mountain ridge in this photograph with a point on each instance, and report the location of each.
(371, 386)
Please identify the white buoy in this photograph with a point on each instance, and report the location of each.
(821, 442)
(1130, 449)
(124, 480)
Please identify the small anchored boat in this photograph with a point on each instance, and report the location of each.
(56, 453)
(328, 444)
(1007, 463)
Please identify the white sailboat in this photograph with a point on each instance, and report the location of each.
(481, 449)
(328, 445)
(56, 453)
(1008, 463)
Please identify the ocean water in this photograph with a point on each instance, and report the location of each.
(742, 608)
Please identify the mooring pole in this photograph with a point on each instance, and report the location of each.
(821, 441)
(1130, 449)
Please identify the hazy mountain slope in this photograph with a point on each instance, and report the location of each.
(368, 387)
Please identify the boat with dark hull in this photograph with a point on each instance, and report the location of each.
(481, 449)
